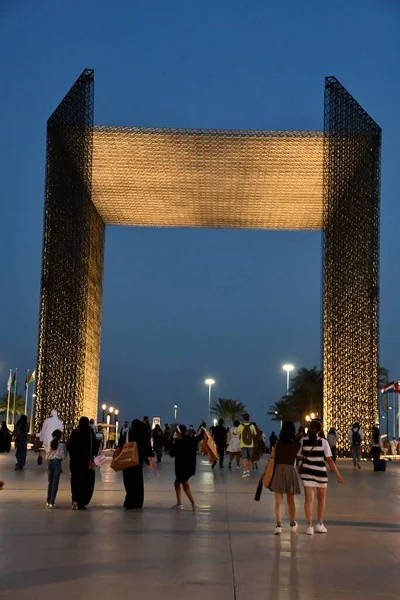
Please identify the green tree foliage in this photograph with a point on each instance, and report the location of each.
(383, 377)
(227, 409)
(19, 405)
(305, 396)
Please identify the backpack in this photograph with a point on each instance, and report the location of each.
(356, 439)
(247, 436)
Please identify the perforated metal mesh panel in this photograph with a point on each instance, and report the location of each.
(201, 178)
(72, 267)
(197, 178)
(351, 262)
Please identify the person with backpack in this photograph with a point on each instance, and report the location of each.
(247, 433)
(355, 437)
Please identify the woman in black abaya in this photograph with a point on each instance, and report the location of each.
(133, 477)
(82, 448)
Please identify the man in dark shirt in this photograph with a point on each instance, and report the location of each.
(147, 426)
(219, 434)
(272, 440)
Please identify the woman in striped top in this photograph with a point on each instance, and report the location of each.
(315, 452)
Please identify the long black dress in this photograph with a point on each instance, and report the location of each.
(5, 438)
(185, 453)
(82, 447)
(133, 477)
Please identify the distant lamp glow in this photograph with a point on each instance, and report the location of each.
(308, 418)
(104, 406)
(209, 382)
(215, 422)
(312, 415)
(111, 409)
(116, 411)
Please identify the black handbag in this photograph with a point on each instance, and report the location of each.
(259, 491)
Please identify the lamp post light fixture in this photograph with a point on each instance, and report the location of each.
(175, 412)
(210, 382)
(288, 368)
(103, 408)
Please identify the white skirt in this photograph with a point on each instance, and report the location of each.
(234, 446)
(313, 484)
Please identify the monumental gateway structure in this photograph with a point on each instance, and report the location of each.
(149, 177)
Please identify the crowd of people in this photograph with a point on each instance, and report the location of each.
(244, 443)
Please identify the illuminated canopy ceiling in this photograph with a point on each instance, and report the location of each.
(205, 178)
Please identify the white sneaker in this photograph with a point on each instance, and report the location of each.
(310, 530)
(278, 530)
(293, 528)
(194, 507)
(238, 468)
(320, 528)
(177, 507)
(246, 474)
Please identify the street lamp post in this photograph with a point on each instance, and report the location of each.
(210, 383)
(116, 425)
(175, 412)
(288, 369)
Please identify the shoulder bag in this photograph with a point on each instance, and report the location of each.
(91, 465)
(269, 471)
(300, 468)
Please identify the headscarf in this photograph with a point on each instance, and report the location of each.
(50, 425)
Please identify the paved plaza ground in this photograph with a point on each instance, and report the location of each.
(225, 551)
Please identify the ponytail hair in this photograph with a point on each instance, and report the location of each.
(56, 438)
(314, 429)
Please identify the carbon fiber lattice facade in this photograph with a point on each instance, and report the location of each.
(303, 180)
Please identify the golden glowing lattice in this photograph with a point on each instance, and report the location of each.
(97, 176)
(223, 179)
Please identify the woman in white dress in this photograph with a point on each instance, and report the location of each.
(234, 446)
(314, 453)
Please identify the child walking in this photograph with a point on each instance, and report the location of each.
(55, 455)
(184, 450)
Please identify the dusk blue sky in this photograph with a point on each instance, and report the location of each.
(181, 305)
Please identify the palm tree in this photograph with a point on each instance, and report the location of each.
(19, 405)
(227, 409)
(383, 377)
(283, 410)
(305, 396)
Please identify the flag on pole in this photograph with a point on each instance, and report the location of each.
(389, 387)
(14, 380)
(9, 382)
(396, 388)
(29, 378)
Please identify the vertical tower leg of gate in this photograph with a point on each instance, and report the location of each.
(352, 146)
(72, 265)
